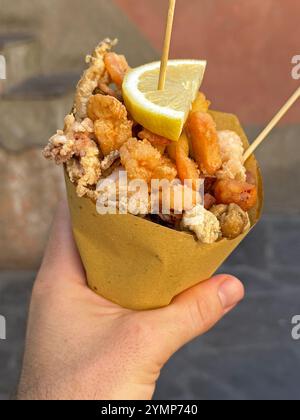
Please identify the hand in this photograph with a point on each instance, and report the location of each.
(81, 347)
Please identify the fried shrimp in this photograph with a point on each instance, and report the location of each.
(160, 143)
(228, 191)
(184, 144)
(142, 161)
(206, 149)
(201, 104)
(112, 126)
(117, 67)
(186, 167)
(95, 75)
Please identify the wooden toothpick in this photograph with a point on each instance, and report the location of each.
(272, 124)
(166, 50)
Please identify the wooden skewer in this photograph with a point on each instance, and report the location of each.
(166, 50)
(272, 124)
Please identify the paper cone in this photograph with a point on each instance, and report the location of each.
(139, 264)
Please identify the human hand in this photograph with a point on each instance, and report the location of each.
(81, 347)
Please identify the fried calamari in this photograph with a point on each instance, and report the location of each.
(203, 223)
(92, 78)
(75, 147)
(232, 151)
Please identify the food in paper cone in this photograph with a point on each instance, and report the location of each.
(158, 189)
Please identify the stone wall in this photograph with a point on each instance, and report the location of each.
(44, 43)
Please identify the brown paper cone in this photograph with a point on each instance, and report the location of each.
(139, 264)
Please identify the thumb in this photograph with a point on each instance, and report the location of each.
(197, 310)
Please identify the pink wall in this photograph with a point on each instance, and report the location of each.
(249, 46)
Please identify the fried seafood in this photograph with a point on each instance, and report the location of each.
(209, 201)
(203, 223)
(60, 148)
(142, 161)
(115, 195)
(209, 190)
(232, 151)
(64, 144)
(178, 198)
(201, 104)
(89, 171)
(187, 168)
(183, 142)
(160, 143)
(228, 191)
(95, 75)
(204, 137)
(117, 67)
(106, 90)
(109, 160)
(112, 126)
(75, 147)
(233, 220)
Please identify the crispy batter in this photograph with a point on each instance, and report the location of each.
(178, 198)
(203, 223)
(233, 220)
(88, 172)
(60, 148)
(109, 160)
(228, 191)
(96, 74)
(160, 143)
(75, 147)
(112, 127)
(143, 161)
(165, 170)
(117, 67)
(186, 167)
(201, 104)
(116, 197)
(232, 152)
(206, 149)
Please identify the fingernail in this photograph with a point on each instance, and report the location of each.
(231, 292)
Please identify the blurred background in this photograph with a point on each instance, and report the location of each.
(249, 47)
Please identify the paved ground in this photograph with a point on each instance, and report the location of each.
(250, 355)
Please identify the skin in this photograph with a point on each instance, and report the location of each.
(79, 346)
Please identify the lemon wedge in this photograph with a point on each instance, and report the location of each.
(163, 112)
